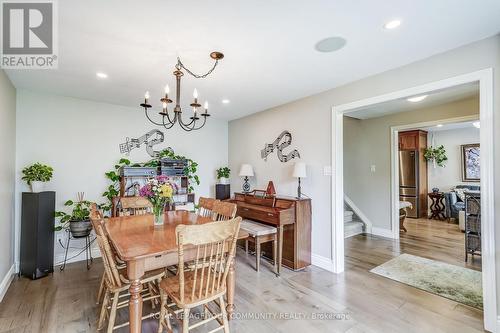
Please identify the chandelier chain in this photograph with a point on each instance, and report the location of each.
(198, 76)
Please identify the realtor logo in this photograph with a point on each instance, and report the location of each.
(29, 36)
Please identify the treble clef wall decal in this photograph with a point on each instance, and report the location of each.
(150, 139)
(270, 147)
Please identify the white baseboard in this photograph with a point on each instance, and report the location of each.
(382, 232)
(322, 262)
(73, 256)
(7, 279)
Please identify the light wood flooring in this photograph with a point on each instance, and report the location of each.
(355, 301)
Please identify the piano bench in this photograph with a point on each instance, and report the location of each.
(261, 233)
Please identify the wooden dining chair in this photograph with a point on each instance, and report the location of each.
(224, 211)
(133, 206)
(116, 294)
(209, 248)
(206, 206)
(96, 219)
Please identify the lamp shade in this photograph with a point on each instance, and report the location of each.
(299, 170)
(246, 170)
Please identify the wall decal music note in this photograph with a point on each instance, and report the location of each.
(270, 147)
(150, 139)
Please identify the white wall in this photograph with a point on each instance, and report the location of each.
(448, 177)
(81, 138)
(7, 179)
(309, 119)
(367, 142)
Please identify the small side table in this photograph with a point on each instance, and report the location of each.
(437, 206)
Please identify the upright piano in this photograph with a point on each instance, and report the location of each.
(291, 216)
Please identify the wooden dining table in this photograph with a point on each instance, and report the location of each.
(144, 247)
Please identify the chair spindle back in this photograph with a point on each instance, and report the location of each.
(206, 206)
(133, 206)
(224, 211)
(215, 245)
(108, 258)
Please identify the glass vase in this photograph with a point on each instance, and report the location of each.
(158, 218)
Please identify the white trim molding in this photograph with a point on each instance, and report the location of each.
(322, 262)
(387, 233)
(360, 214)
(7, 279)
(485, 79)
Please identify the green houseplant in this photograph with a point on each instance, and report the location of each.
(223, 174)
(78, 220)
(37, 174)
(436, 155)
(114, 175)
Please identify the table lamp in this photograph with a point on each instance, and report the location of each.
(299, 171)
(246, 171)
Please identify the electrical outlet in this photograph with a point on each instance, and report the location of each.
(373, 168)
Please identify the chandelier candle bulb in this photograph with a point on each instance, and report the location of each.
(195, 93)
(206, 106)
(167, 90)
(146, 96)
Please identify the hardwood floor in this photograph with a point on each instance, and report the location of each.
(438, 240)
(356, 301)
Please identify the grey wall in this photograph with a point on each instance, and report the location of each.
(368, 142)
(7, 174)
(309, 119)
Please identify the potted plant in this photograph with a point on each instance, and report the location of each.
(223, 175)
(159, 191)
(436, 155)
(78, 221)
(36, 175)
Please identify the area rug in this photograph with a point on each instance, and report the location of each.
(459, 284)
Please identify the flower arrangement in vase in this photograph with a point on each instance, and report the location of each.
(159, 191)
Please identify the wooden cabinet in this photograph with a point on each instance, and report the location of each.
(413, 140)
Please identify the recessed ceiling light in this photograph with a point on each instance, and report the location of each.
(225, 101)
(392, 24)
(476, 124)
(101, 75)
(439, 125)
(417, 99)
(330, 44)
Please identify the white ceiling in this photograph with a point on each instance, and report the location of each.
(452, 126)
(269, 46)
(434, 98)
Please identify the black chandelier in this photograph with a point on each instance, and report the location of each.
(169, 120)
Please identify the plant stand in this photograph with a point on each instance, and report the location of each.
(88, 249)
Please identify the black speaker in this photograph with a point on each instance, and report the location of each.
(37, 234)
(222, 191)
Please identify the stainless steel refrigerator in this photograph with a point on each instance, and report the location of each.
(408, 180)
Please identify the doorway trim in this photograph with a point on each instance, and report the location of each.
(485, 79)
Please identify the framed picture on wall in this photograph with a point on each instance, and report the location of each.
(471, 162)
